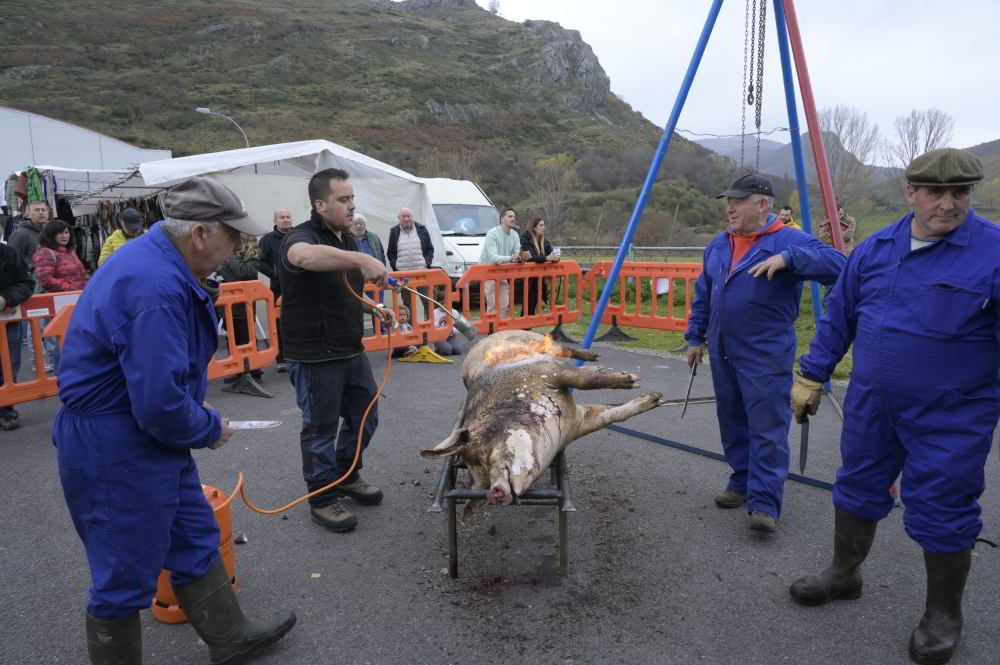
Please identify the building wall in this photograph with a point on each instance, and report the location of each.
(29, 139)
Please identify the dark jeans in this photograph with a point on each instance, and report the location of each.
(14, 346)
(326, 392)
(533, 294)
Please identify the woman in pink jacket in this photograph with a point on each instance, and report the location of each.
(57, 268)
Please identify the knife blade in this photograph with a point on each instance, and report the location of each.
(687, 397)
(254, 424)
(804, 445)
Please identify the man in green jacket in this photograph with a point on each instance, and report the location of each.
(502, 245)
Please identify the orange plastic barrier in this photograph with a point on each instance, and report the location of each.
(244, 357)
(658, 282)
(33, 310)
(553, 283)
(424, 330)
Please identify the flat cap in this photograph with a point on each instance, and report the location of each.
(945, 167)
(204, 199)
(747, 185)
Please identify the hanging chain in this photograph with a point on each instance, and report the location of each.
(760, 77)
(743, 86)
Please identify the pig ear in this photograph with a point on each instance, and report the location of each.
(453, 444)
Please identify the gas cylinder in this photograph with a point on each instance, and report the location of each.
(165, 606)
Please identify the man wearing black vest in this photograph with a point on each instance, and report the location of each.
(322, 330)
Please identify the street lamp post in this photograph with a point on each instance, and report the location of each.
(202, 109)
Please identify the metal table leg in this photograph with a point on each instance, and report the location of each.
(452, 524)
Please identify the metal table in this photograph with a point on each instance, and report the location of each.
(558, 496)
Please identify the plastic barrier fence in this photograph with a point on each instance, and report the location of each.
(240, 357)
(32, 312)
(508, 287)
(421, 311)
(647, 294)
(244, 357)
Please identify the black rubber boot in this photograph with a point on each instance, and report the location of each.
(852, 538)
(116, 642)
(935, 638)
(211, 606)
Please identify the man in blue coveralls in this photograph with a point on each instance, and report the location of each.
(746, 303)
(919, 300)
(132, 382)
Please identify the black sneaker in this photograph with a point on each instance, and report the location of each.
(8, 423)
(362, 492)
(282, 366)
(334, 517)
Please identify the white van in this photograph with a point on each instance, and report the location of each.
(464, 215)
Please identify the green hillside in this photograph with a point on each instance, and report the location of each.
(436, 87)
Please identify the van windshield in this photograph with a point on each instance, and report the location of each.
(466, 220)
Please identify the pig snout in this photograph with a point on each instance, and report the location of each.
(500, 493)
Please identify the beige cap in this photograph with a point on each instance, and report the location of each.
(204, 199)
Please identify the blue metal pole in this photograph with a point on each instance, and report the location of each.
(793, 126)
(654, 168)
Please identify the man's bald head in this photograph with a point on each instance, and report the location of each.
(283, 220)
(405, 219)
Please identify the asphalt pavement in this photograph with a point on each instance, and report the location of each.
(657, 574)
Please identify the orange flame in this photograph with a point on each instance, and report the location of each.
(514, 351)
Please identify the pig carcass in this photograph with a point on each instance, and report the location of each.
(519, 411)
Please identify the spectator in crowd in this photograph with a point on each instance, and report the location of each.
(539, 250)
(403, 318)
(785, 217)
(322, 328)
(410, 246)
(57, 268)
(746, 304)
(368, 241)
(269, 251)
(919, 300)
(456, 344)
(16, 286)
(130, 222)
(133, 393)
(848, 225)
(502, 245)
(24, 240)
(242, 266)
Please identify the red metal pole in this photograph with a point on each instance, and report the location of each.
(812, 120)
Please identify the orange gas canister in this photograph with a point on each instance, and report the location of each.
(165, 606)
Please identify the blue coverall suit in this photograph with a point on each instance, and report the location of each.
(925, 391)
(132, 383)
(749, 323)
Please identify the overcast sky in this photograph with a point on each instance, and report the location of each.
(884, 57)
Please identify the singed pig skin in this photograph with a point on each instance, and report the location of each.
(520, 411)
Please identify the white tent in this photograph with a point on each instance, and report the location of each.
(84, 188)
(273, 177)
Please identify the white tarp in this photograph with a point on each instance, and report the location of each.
(273, 177)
